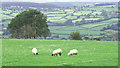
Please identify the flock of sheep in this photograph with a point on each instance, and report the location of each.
(57, 51)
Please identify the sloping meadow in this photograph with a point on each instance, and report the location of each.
(18, 52)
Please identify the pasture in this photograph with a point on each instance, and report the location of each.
(18, 52)
(5, 16)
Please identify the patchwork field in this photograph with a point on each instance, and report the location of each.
(18, 52)
(87, 18)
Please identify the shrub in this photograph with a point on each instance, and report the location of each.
(75, 36)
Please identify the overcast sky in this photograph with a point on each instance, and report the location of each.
(44, 1)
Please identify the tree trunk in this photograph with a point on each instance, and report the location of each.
(34, 37)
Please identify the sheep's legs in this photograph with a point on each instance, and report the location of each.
(36, 53)
(56, 54)
(75, 53)
(60, 54)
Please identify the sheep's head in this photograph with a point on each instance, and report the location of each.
(52, 54)
(68, 54)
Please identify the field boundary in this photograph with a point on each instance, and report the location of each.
(60, 67)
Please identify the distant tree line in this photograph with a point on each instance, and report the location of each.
(76, 36)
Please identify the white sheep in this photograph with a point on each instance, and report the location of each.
(57, 51)
(35, 52)
(73, 52)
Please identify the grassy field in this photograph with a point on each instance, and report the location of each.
(58, 20)
(90, 53)
(6, 16)
(82, 13)
(6, 23)
(71, 17)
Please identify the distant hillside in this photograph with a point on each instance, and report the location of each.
(50, 4)
(62, 4)
(104, 4)
(71, 4)
(29, 4)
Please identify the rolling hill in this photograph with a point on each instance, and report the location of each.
(29, 4)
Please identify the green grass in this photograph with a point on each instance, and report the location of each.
(94, 25)
(56, 27)
(82, 12)
(0, 52)
(56, 15)
(84, 29)
(111, 20)
(63, 36)
(14, 14)
(102, 8)
(90, 53)
(91, 31)
(98, 28)
(54, 12)
(6, 23)
(52, 15)
(1, 32)
(5, 12)
(70, 12)
(54, 18)
(58, 21)
(71, 17)
(93, 18)
(80, 19)
(6, 16)
(61, 31)
(94, 13)
(70, 28)
(103, 23)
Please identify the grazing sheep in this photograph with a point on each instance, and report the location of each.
(35, 52)
(57, 51)
(73, 52)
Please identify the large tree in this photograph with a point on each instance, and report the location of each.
(28, 24)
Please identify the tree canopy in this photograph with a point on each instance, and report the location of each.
(28, 24)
